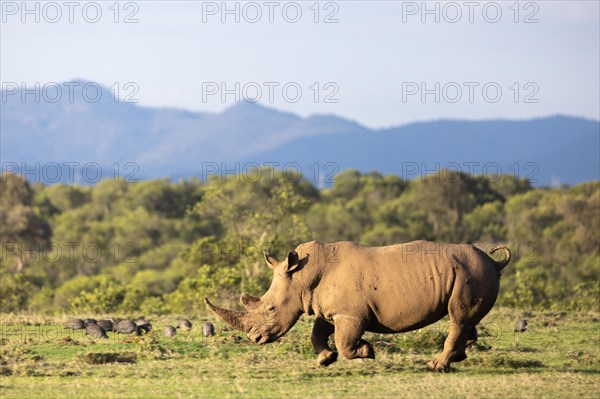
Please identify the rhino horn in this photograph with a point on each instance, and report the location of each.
(237, 320)
(249, 301)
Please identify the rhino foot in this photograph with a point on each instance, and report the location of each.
(327, 357)
(365, 350)
(459, 357)
(441, 367)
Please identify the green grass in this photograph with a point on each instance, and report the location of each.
(558, 357)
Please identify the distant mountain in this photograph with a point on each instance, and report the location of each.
(175, 143)
(548, 151)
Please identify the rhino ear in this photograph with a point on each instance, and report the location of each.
(271, 262)
(293, 261)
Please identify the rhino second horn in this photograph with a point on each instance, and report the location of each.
(249, 301)
(234, 319)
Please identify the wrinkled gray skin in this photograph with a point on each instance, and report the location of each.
(351, 289)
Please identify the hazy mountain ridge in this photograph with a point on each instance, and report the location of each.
(553, 149)
(175, 143)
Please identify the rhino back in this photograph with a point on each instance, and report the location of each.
(397, 288)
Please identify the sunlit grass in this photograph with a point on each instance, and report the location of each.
(557, 357)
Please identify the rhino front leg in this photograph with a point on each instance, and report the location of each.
(321, 332)
(348, 333)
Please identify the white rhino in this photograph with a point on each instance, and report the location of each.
(351, 288)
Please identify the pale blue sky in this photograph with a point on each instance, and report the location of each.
(369, 54)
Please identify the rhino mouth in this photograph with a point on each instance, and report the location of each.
(260, 339)
(262, 335)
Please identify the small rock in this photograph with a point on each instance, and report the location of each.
(184, 324)
(75, 324)
(106, 325)
(124, 327)
(142, 327)
(114, 323)
(521, 326)
(95, 331)
(208, 329)
(170, 331)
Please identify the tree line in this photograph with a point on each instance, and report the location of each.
(158, 246)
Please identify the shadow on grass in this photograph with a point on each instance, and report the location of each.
(108, 357)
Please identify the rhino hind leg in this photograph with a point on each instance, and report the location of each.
(348, 333)
(465, 313)
(454, 347)
(472, 337)
(322, 330)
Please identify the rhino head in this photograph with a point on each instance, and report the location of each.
(268, 318)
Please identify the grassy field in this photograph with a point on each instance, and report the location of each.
(557, 357)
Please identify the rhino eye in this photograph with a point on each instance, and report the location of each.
(270, 308)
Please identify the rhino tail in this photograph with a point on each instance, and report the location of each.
(501, 264)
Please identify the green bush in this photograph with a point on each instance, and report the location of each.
(107, 297)
(163, 246)
(15, 290)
